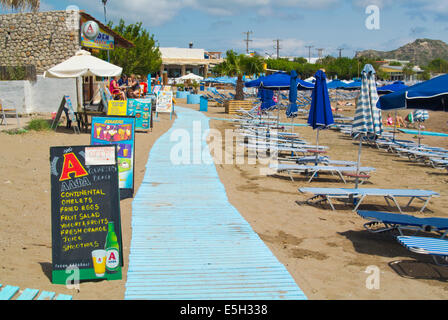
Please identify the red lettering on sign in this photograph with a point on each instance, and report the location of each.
(72, 165)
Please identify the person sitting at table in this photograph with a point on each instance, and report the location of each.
(114, 89)
(123, 81)
(134, 90)
(144, 85)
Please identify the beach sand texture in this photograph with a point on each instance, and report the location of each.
(326, 252)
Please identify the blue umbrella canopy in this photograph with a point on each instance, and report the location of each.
(278, 81)
(431, 94)
(394, 87)
(355, 85)
(336, 84)
(367, 115)
(291, 111)
(320, 115)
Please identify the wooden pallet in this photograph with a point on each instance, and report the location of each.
(10, 293)
(233, 106)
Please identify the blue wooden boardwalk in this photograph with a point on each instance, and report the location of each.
(188, 241)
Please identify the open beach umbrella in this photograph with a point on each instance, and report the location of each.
(367, 121)
(336, 84)
(396, 86)
(320, 116)
(355, 85)
(83, 64)
(431, 94)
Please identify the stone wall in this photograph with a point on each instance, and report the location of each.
(43, 39)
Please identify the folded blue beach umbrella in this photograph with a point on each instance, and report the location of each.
(431, 94)
(291, 111)
(266, 97)
(320, 115)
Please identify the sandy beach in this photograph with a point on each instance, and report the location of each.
(326, 252)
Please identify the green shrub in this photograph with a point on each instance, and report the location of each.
(39, 125)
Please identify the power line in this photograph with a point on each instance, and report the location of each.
(340, 52)
(247, 40)
(277, 47)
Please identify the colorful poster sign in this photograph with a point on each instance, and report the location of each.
(85, 214)
(164, 102)
(117, 108)
(102, 41)
(121, 132)
(141, 110)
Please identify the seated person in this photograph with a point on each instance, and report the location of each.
(144, 85)
(390, 120)
(400, 122)
(123, 82)
(134, 90)
(115, 89)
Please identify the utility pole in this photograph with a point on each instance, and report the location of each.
(105, 23)
(340, 52)
(247, 40)
(277, 47)
(319, 52)
(309, 53)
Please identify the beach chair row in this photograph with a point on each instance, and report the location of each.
(8, 292)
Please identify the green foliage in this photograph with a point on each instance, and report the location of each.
(15, 131)
(438, 66)
(38, 125)
(395, 64)
(143, 59)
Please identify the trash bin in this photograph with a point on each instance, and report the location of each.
(182, 94)
(193, 99)
(201, 88)
(203, 105)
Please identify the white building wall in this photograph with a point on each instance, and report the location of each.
(42, 96)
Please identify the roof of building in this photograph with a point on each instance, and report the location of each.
(186, 56)
(120, 41)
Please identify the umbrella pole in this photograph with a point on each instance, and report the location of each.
(395, 126)
(317, 147)
(358, 164)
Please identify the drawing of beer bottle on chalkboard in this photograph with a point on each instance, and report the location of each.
(112, 250)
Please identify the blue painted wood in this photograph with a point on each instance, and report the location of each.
(188, 241)
(46, 295)
(8, 292)
(28, 294)
(64, 297)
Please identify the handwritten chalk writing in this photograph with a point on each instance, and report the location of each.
(71, 239)
(84, 223)
(83, 216)
(76, 201)
(77, 183)
(69, 209)
(76, 194)
(96, 170)
(90, 207)
(94, 244)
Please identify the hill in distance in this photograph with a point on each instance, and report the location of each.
(420, 52)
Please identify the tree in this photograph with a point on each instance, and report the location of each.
(239, 65)
(142, 59)
(34, 5)
(438, 66)
(408, 71)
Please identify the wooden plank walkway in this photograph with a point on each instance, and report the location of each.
(14, 293)
(188, 241)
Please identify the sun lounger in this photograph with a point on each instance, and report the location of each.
(400, 222)
(314, 170)
(436, 248)
(326, 194)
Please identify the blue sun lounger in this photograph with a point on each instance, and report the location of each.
(386, 221)
(314, 170)
(326, 194)
(436, 248)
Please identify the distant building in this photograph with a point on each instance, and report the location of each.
(178, 62)
(395, 72)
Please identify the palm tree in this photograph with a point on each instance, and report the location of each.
(239, 65)
(21, 4)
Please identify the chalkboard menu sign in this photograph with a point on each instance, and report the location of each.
(85, 214)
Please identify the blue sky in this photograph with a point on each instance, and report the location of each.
(218, 25)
